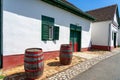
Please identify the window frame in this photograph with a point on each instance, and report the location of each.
(50, 35)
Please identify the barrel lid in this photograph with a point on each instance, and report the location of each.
(33, 50)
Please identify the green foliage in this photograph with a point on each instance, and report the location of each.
(1, 77)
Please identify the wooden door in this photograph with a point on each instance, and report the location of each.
(75, 38)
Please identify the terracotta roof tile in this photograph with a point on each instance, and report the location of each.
(103, 14)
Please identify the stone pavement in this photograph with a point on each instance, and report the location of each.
(79, 68)
(86, 55)
(108, 69)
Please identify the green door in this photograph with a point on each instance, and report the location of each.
(72, 38)
(75, 37)
(78, 40)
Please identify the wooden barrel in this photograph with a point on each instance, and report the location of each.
(33, 63)
(65, 54)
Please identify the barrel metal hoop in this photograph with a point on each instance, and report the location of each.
(66, 59)
(35, 62)
(34, 56)
(66, 52)
(38, 52)
(39, 69)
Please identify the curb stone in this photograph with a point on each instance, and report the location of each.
(81, 67)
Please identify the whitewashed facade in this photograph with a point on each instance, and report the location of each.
(23, 22)
(100, 32)
(22, 26)
(103, 33)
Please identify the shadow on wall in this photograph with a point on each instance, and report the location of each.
(90, 46)
(28, 8)
(33, 9)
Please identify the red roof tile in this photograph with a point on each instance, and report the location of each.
(103, 14)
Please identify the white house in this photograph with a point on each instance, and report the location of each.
(43, 24)
(105, 29)
(47, 24)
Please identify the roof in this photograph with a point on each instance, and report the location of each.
(70, 8)
(104, 14)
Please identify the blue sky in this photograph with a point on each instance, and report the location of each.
(86, 5)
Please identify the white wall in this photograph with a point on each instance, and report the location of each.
(114, 29)
(22, 26)
(115, 19)
(100, 32)
(119, 37)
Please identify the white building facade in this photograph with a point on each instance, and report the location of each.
(48, 24)
(105, 30)
(23, 27)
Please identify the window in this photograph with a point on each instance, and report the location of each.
(49, 31)
(56, 33)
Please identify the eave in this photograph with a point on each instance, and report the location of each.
(61, 4)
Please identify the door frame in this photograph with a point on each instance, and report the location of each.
(76, 29)
(1, 34)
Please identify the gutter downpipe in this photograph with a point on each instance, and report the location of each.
(1, 34)
(109, 37)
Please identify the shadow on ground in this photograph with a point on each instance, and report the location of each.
(56, 63)
(16, 76)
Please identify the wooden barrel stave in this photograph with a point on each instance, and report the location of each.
(33, 66)
(28, 59)
(27, 54)
(65, 54)
(35, 73)
(33, 63)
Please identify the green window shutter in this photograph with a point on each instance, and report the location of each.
(47, 20)
(72, 27)
(56, 33)
(51, 21)
(46, 23)
(78, 28)
(45, 32)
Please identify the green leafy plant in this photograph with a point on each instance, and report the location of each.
(2, 77)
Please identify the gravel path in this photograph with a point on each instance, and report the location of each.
(79, 68)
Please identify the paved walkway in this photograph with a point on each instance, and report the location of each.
(85, 55)
(80, 68)
(108, 69)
